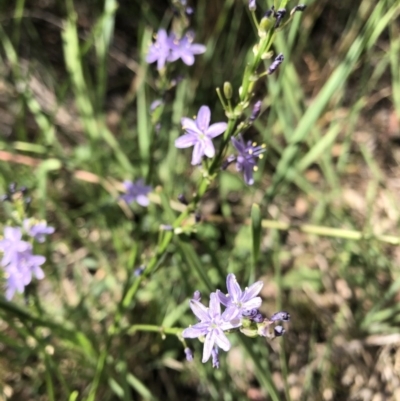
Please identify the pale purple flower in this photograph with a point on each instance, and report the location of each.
(37, 230)
(212, 325)
(185, 49)
(136, 192)
(247, 157)
(240, 300)
(160, 50)
(199, 133)
(18, 261)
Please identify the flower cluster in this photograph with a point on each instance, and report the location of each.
(18, 261)
(169, 48)
(241, 313)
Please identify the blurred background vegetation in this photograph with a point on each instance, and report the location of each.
(74, 122)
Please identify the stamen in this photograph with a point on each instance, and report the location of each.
(255, 168)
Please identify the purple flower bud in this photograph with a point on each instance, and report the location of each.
(215, 358)
(251, 313)
(276, 63)
(182, 199)
(284, 316)
(252, 5)
(139, 271)
(259, 318)
(279, 331)
(189, 11)
(279, 15)
(189, 354)
(270, 12)
(197, 296)
(256, 110)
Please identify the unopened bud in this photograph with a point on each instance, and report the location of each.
(197, 295)
(280, 14)
(284, 316)
(279, 331)
(182, 199)
(256, 110)
(252, 5)
(189, 354)
(300, 7)
(228, 90)
(276, 63)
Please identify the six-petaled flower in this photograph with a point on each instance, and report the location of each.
(212, 325)
(240, 300)
(136, 192)
(247, 157)
(199, 134)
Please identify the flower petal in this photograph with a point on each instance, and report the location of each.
(233, 288)
(199, 329)
(199, 310)
(254, 303)
(198, 153)
(252, 291)
(185, 141)
(248, 174)
(187, 58)
(239, 144)
(208, 345)
(230, 313)
(223, 298)
(216, 129)
(203, 118)
(196, 48)
(190, 125)
(215, 306)
(143, 200)
(222, 340)
(208, 147)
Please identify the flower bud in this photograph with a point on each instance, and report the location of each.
(300, 7)
(228, 90)
(279, 331)
(189, 354)
(284, 316)
(252, 5)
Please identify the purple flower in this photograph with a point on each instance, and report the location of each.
(160, 50)
(212, 325)
(37, 230)
(199, 133)
(136, 192)
(240, 300)
(185, 49)
(18, 261)
(247, 157)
